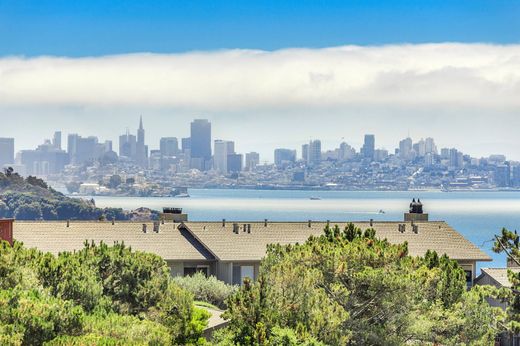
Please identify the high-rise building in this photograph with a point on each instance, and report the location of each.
(380, 154)
(127, 145)
(445, 153)
(44, 160)
(503, 175)
(141, 149)
(456, 158)
(169, 146)
(314, 154)
(83, 149)
(252, 160)
(305, 152)
(284, 156)
(430, 147)
(222, 149)
(200, 144)
(346, 152)
(369, 147)
(6, 151)
(516, 176)
(405, 149)
(56, 140)
(186, 145)
(234, 163)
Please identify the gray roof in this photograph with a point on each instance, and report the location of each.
(499, 275)
(431, 235)
(210, 240)
(170, 243)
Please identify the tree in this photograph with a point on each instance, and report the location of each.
(115, 181)
(31, 211)
(347, 287)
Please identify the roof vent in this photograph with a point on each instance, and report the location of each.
(113, 221)
(235, 228)
(144, 228)
(371, 222)
(68, 223)
(156, 226)
(265, 222)
(309, 224)
(162, 221)
(415, 229)
(223, 222)
(249, 228)
(402, 227)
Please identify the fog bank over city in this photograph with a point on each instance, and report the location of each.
(463, 95)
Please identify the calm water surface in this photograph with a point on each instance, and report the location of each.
(477, 215)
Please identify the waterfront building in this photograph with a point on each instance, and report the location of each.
(6, 151)
(188, 247)
(284, 156)
(516, 176)
(200, 144)
(503, 175)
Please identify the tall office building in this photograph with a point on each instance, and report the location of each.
(369, 147)
(186, 145)
(169, 146)
(234, 163)
(141, 148)
(430, 147)
(405, 149)
(45, 159)
(56, 140)
(503, 175)
(284, 156)
(127, 145)
(252, 160)
(221, 150)
(6, 151)
(200, 144)
(314, 153)
(83, 149)
(305, 152)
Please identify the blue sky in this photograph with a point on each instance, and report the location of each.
(91, 28)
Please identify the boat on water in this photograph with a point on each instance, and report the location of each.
(314, 198)
(182, 195)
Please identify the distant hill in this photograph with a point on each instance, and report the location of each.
(32, 199)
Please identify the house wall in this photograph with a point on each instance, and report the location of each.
(177, 267)
(225, 269)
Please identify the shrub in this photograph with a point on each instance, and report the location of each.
(207, 289)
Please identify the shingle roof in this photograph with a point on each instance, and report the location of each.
(499, 275)
(170, 243)
(210, 240)
(228, 246)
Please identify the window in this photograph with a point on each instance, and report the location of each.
(242, 272)
(189, 271)
(469, 278)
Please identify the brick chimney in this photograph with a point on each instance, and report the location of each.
(6, 230)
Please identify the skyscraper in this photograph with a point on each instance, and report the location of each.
(405, 149)
(234, 163)
(83, 149)
(56, 140)
(169, 146)
(6, 151)
(369, 147)
(127, 145)
(314, 154)
(200, 144)
(252, 160)
(221, 151)
(141, 149)
(284, 156)
(503, 175)
(305, 152)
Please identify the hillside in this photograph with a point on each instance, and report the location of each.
(32, 199)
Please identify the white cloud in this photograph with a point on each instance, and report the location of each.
(443, 76)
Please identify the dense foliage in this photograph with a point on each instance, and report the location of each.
(349, 288)
(206, 289)
(32, 199)
(99, 295)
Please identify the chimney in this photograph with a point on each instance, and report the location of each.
(156, 226)
(245, 228)
(144, 228)
(223, 222)
(371, 222)
(415, 229)
(265, 222)
(402, 228)
(235, 228)
(68, 223)
(249, 228)
(309, 224)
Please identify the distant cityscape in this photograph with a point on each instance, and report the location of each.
(89, 166)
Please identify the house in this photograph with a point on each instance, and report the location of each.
(232, 251)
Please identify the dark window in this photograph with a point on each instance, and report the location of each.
(469, 277)
(189, 271)
(237, 277)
